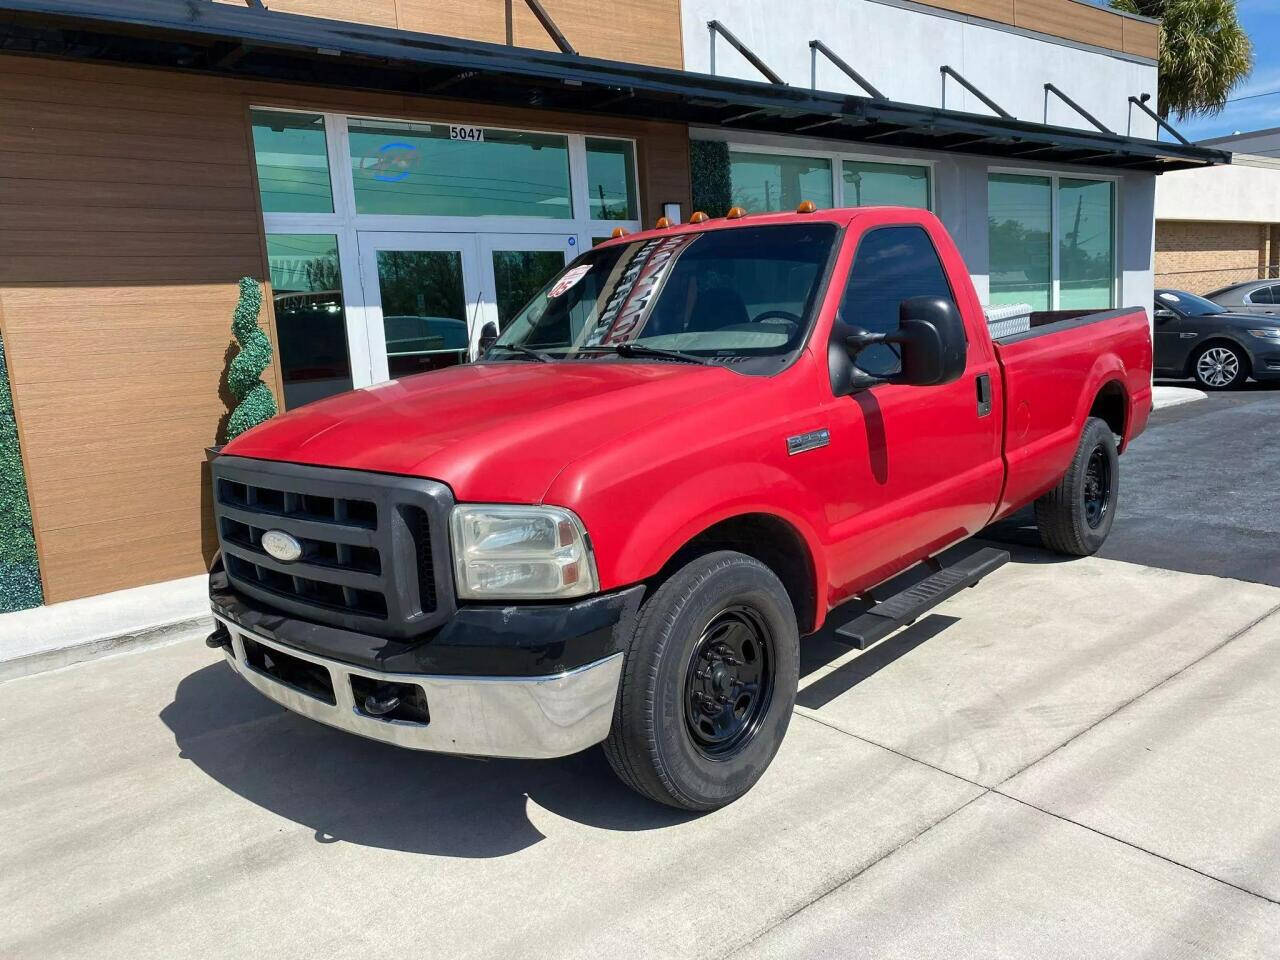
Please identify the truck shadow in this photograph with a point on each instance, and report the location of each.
(349, 789)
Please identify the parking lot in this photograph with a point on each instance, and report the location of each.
(1074, 759)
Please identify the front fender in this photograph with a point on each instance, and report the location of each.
(635, 546)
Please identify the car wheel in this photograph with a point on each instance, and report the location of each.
(1220, 366)
(1075, 516)
(708, 684)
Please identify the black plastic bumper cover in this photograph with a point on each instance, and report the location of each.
(492, 640)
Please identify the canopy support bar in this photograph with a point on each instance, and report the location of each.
(946, 71)
(1141, 104)
(714, 27)
(1050, 88)
(818, 47)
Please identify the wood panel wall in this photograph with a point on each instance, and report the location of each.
(128, 213)
(638, 31)
(648, 31)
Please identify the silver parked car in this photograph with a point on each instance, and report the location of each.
(1258, 297)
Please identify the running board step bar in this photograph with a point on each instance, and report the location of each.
(906, 607)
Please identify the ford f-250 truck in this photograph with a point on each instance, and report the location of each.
(688, 449)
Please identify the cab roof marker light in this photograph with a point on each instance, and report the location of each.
(698, 217)
(662, 224)
(735, 213)
(806, 206)
(618, 232)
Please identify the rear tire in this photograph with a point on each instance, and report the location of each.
(708, 684)
(1220, 366)
(1075, 516)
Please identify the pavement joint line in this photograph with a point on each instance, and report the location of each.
(1151, 689)
(895, 752)
(841, 883)
(1133, 846)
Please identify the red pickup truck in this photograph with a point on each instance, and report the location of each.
(690, 448)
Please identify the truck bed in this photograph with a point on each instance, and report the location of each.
(1052, 375)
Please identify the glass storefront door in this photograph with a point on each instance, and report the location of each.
(428, 296)
(422, 294)
(516, 266)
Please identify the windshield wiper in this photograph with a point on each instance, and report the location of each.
(633, 349)
(527, 352)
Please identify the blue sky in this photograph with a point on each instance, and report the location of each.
(1261, 18)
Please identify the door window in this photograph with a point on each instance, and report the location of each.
(1263, 295)
(892, 264)
(424, 309)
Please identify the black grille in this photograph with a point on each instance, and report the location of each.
(374, 547)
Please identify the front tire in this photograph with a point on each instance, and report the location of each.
(1075, 516)
(1220, 366)
(708, 684)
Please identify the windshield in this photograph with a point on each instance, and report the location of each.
(744, 291)
(1188, 303)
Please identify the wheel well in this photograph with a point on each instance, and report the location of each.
(1217, 342)
(1111, 405)
(772, 541)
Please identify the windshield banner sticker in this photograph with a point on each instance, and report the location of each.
(637, 289)
(566, 282)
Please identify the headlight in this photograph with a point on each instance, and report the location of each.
(502, 552)
(1271, 333)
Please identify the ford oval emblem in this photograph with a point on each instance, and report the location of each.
(281, 545)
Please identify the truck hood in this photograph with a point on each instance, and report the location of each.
(497, 432)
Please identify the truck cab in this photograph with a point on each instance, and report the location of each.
(681, 456)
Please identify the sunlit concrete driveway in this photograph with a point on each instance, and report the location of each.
(1075, 759)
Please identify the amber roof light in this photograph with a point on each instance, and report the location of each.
(662, 223)
(698, 217)
(806, 206)
(735, 213)
(618, 232)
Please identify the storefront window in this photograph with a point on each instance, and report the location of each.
(885, 184)
(293, 162)
(445, 170)
(311, 328)
(1019, 224)
(611, 180)
(1086, 241)
(763, 182)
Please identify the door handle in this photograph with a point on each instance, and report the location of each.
(983, 383)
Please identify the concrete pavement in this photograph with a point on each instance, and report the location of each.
(1075, 759)
(1031, 773)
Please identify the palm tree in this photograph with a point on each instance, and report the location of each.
(1204, 53)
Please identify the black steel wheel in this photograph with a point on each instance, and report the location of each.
(728, 682)
(1096, 489)
(708, 683)
(1076, 515)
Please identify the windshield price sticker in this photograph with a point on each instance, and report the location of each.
(472, 134)
(567, 282)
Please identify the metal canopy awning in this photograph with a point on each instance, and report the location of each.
(251, 42)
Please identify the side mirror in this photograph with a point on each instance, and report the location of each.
(931, 338)
(1162, 315)
(488, 337)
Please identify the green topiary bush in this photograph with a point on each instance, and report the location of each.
(255, 403)
(19, 568)
(709, 171)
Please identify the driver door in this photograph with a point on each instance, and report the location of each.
(920, 467)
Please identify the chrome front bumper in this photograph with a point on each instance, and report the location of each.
(530, 717)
